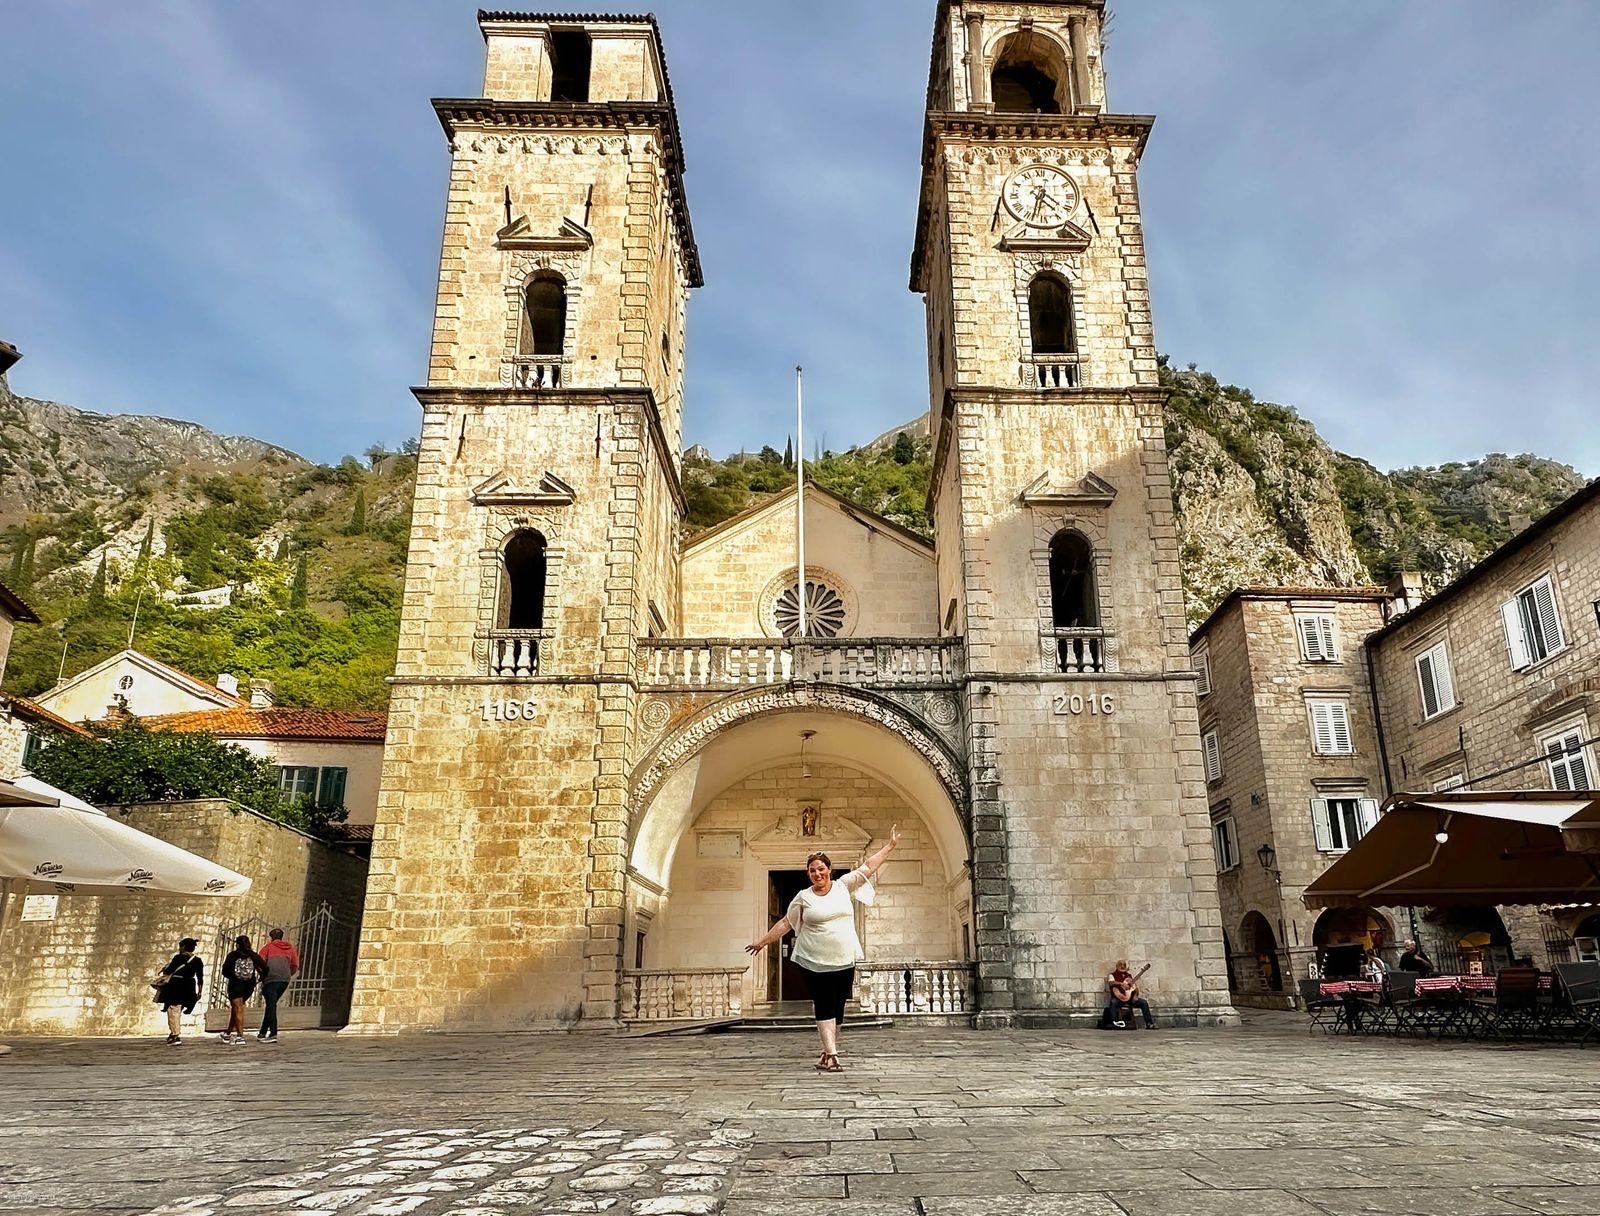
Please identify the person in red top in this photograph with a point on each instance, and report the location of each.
(283, 961)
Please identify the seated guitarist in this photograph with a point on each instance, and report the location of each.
(1123, 986)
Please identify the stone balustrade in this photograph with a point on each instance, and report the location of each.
(740, 662)
(535, 372)
(1053, 372)
(514, 652)
(1082, 651)
(683, 994)
(914, 989)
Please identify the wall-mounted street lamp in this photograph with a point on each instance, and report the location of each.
(1268, 857)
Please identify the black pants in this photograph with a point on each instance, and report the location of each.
(829, 991)
(271, 991)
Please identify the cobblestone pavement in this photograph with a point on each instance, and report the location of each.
(1264, 1119)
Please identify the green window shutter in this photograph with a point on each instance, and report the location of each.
(330, 790)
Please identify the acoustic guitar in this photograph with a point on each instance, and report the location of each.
(1129, 990)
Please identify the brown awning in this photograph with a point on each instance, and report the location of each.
(1500, 847)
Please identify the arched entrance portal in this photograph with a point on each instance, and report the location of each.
(1345, 936)
(1262, 971)
(721, 846)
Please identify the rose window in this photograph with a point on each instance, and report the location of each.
(825, 611)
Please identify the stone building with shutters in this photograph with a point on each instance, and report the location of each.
(610, 748)
(1318, 703)
(1293, 771)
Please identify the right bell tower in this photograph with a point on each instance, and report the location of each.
(1057, 546)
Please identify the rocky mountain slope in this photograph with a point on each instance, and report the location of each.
(103, 519)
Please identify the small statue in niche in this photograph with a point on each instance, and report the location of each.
(808, 821)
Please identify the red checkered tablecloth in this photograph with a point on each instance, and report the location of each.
(1454, 984)
(1350, 987)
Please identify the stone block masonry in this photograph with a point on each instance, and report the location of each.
(85, 972)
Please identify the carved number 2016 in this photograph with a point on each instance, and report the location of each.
(1095, 703)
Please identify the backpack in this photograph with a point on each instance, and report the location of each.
(244, 968)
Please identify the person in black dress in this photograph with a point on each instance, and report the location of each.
(243, 969)
(182, 988)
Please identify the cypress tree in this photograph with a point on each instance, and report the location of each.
(299, 590)
(788, 452)
(141, 564)
(904, 450)
(358, 515)
(19, 556)
(97, 588)
(282, 554)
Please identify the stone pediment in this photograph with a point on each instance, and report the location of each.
(784, 841)
(518, 234)
(501, 491)
(1092, 491)
(1069, 238)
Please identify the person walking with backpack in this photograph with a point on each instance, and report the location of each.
(243, 969)
(283, 961)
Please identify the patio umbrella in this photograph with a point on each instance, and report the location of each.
(1502, 847)
(58, 844)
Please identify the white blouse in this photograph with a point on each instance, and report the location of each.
(825, 925)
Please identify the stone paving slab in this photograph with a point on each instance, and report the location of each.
(1263, 1119)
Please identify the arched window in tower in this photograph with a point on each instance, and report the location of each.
(1050, 315)
(544, 315)
(1072, 593)
(1030, 76)
(522, 600)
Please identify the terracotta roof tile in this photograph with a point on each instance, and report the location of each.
(354, 725)
(25, 708)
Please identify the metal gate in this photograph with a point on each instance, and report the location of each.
(319, 994)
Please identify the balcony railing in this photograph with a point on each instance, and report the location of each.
(533, 371)
(914, 989)
(1052, 371)
(684, 994)
(514, 652)
(1083, 651)
(741, 662)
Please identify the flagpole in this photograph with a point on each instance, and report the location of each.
(800, 493)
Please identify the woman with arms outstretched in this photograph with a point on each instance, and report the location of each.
(825, 944)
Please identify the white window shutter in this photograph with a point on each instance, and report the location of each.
(1442, 682)
(1202, 664)
(1429, 682)
(1325, 627)
(1310, 637)
(1516, 636)
(1369, 814)
(1559, 776)
(1544, 603)
(1213, 754)
(1320, 825)
(1339, 719)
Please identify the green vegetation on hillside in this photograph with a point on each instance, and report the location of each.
(314, 562)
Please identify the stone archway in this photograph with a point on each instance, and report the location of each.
(734, 799)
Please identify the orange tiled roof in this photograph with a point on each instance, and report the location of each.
(32, 709)
(353, 725)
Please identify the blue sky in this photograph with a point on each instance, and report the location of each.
(1382, 214)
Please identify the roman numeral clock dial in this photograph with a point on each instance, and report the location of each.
(1041, 196)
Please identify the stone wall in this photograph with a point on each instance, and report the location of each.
(1501, 715)
(85, 972)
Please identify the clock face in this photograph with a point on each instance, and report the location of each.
(1041, 196)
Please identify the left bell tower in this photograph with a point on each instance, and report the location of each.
(543, 539)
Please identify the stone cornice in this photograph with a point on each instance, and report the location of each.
(476, 113)
(1001, 128)
(439, 397)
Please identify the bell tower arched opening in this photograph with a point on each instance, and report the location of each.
(1031, 76)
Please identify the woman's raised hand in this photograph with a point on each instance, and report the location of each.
(894, 834)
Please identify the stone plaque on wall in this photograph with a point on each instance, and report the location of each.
(903, 873)
(719, 878)
(719, 844)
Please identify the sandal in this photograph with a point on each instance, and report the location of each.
(829, 1063)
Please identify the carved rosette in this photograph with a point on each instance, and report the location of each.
(767, 604)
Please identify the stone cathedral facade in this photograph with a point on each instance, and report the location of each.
(608, 751)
